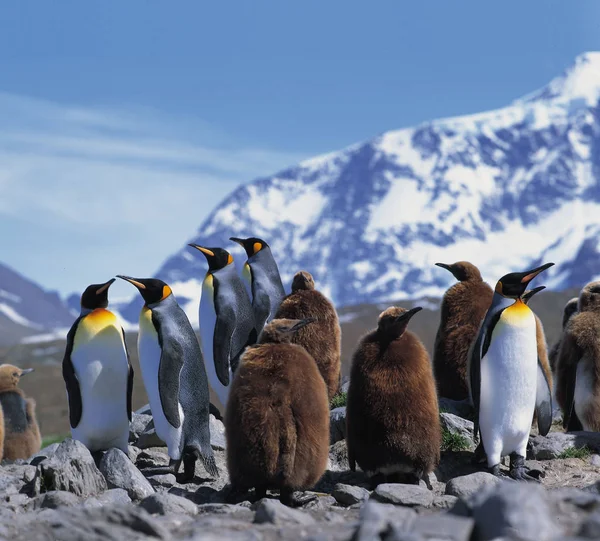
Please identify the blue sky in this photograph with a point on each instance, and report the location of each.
(122, 124)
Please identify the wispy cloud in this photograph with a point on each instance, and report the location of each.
(80, 174)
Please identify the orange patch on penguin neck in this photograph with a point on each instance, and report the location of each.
(166, 292)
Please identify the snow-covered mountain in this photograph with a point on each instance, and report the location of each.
(27, 309)
(506, 189)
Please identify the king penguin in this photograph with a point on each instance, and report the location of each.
(262, 279)
(542, 346)
(578, 364)
(507, 383)
(175, 379)
(21, 432)
(98, 374)
(227, 323)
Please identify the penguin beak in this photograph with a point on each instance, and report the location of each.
(528, 294)
(406, 316)
(527, 276)
(302, 323)
(239, 241)
(26, 371)
(131, 280)
(205, 251)
(105, 286)
(444, 266)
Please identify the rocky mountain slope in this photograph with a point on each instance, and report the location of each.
(506, 189)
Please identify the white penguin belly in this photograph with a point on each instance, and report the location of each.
(508, 387)
(102, 371)
(208, 320)
(584, 391)
(150, 353)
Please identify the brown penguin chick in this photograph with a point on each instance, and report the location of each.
(322, 339)
(393, 428)
(277, 417)
(578, 364)
(21, 432)
(569, 310)
(463, 308)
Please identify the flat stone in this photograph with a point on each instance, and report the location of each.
(515, 510)
(467, 485)
(44, 453)
(120, 472)
(349, 494)
(138, 424)
(444, 526)
(400, 494)
(217, 433)
(337, 425)
(114, 496)
(377, 518)
(444, 502)
(164, 504)
(274, 512)
(457, 425)
(72, 468)
(166, 480)
(54, 500)
(151, 458)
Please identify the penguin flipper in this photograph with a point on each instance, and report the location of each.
(71, 381)
(223, 335)
(543, 401)
(570, 420)
(129, 378)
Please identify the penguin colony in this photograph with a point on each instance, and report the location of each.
(273, 361)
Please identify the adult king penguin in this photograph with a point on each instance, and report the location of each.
(262, 279)
(227, 323)
(98, 374)
(507, 383)
(175, 379)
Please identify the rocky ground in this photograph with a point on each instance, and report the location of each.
(64, 493)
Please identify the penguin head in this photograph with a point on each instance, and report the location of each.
(462, 270)
(569, 310)
(530, 293)
(152, 290)
(252, 245)
(95, 296)
(393, 321)
(302, 280)
(217, 257)
(513, 285)
(281, 331)
(589, 298)
(11, 375)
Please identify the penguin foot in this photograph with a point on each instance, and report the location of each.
(189, 469)
(520, 472)
(236, 495)
(495, 470)
(377, 480)
(288, 497)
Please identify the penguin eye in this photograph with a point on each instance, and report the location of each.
(15, 374)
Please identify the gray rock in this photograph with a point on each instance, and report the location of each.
(149, 438)
(217, 434)
(591, 527)
(137, 425)
(444, 502)
(321, 503)
(151, 458)
(164, 504)
(44, 453)
(337, 425)
(457, 425)
(584, 499)
(114, 496)
(338, 457)
(120, 472)
(460, 408)
(345, 385)
(274, 512)
(444, 526)
(376, 518)
(515, 510)
(9, 483)
(349, 494)
(409, 495)
(54, 500)
(72, 468)
(467, 485)
(15, 502)
(164, 480)
(595, 460)
(133, 453)
(555, 443)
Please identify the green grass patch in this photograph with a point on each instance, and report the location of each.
(581, 452)
(49, 440)
(339, 400)
(454, 442)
